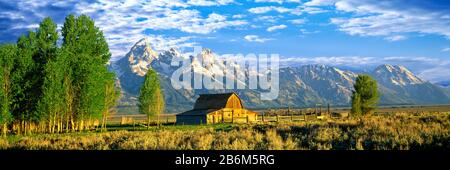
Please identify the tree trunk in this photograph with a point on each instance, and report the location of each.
(67, 123)
(158, 121)
(148, 122)
(72, 124)
(5, 129)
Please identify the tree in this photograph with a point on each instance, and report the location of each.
(7, 53)
(356, 104)
(365, 95)
(24, 81)
(47, 87)
(52, 106)
(112, 93)
(27, 74)
(89, 54)
(47, 36)
(151, 100)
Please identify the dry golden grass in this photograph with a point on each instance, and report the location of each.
(401, 131)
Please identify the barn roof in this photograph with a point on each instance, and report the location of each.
(197, 112)
(213, 101)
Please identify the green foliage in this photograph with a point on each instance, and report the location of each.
(151, 100)
(365, 96)
(356, 104)
(89, 54)
(56, 86)
(7, 53)
(47, 36)
(25, 80)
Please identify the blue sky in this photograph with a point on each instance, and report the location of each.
(344, 33)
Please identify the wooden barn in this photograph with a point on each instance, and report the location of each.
(217, 108)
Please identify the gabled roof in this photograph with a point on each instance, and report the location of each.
(197, 112)
(213, 101)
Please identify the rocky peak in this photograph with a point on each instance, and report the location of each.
(397, 75)
(140, 56)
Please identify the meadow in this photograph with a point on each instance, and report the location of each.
(380, 131)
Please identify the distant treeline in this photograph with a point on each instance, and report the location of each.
(51, 86)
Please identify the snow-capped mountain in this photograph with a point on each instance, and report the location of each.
(300, 86)
(396, 75)
(399, 85)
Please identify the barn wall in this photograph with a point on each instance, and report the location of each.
(232, 116)
(234, 102)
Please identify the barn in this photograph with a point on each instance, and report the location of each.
(217, 108)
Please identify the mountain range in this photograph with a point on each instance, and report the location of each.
(300, 86)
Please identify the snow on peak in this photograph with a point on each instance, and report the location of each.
(174, 52)
(385, 67)
(140, 56)
(398, 75)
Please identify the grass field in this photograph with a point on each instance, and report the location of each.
(129, 114)
(393, 131)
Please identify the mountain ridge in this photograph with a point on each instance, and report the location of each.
(300, 86)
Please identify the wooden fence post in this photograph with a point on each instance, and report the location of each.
(304, 116)
(328, 110)
(263, 116)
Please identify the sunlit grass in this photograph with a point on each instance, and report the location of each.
(399, 131)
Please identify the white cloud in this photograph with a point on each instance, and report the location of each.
(298, 21)
(390, 18)
(436, 74)
(119, 20)
(320, 2)
(276, 27)
(265, 9)
(299, 10)
(277, 1)
(255, 38)
(446, 49)
(307, 9)
(124, 21)
(238, 16)
(209, 3)
(267, 18)
(396, 38)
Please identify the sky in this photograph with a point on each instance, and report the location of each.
(356, 34)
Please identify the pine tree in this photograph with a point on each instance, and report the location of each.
(365, 95)
(151, 100)
(7, 53)
(356, 104)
